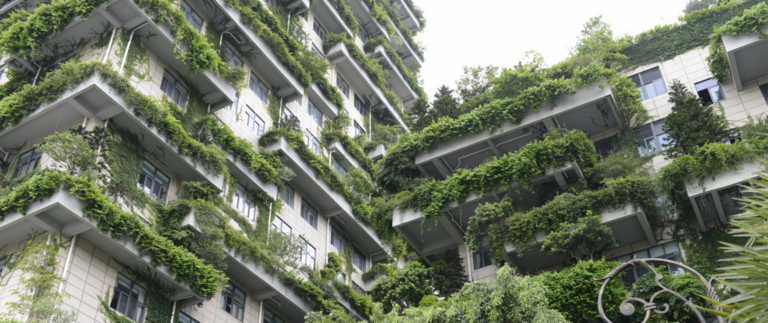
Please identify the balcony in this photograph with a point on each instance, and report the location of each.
(296, 7)
(715, 198)
(746, 56)
(395, 79)
(327, 107)
(628, 225)
(406, 52)
(339, 56)
(63, 213)
(95, 99)
(343, 157)
(592, 109)
(324, 10)
(369, 24)
(430, 238)
(407, 17)
(260, 55)
(330, 203)
(242, 172)
(377, 152)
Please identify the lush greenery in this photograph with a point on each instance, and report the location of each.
(588, 236)
(403, 288)
(752, 21)
(691, 123)
(412, 80)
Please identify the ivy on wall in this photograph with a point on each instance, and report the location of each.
(753, 20)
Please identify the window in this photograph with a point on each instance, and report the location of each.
(606, 146)
(231, 57)
(242, 203)
(129, 298)
(482, 257)
(308, 253)
(359, 130)
(313, 143)
(650, 138)
(2, 71)
(764, 90)
(669, 251)
(233, 301)
(339, 168)
(287, 195)
(342, 85)
(710, 91)
(253, 122)
(258, 87)
(174, 89)
(192, 17)
(358, 289)
(359, 105)
(361, 34)
(308, 213)
(319, 30)
(358, 259)
(153, 181)
(315, 113)
(233, 106)
(298, 33)
(340, 276)
(317, 51)
(650, 83)
(280, 226)
(27, 162)
(184, 318)
(270, 317)
(337, 240)
(2, 265)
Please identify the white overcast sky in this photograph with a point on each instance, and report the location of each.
(499, 32)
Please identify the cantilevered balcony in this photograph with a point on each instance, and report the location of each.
(431, 237)
(407, 53)
(330, 203)
(395, 79)
(95, 99)
(407, 17)
(715, 198)
(377, 152)
(369, 24)
(243, 174)
(326, 106)
(327, 14)
(343, 156)
(63, 213)
(747, 57)
(629, 225)
(339, 56)
(296, 7)
(592, 109)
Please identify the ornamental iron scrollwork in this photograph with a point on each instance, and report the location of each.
(627, 307)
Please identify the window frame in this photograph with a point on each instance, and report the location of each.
(315, 113)
(359, 260)
(633, 275)
(274, 317)
(243, 203)
(337, 237)
(306, 258)
(309, 217)
(338, 167)
(230, 304)
(359, 130)
(22, 168)
(292, 195)
(359, 105)
(188, 318)
(194, 15)
(342, 84)
(642, 86)
(259, 88)
(254, 122)
(317, 51)
(3, 260)
(118, 295)
(153, 177)
(313, 143)
(604, 154)
(282, 226)
(481, 258)
(232, 57)
(764, 89)
(658, 137)
(319, 29)
(169, 84)
(713, 88)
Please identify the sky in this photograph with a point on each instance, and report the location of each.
(499, 32)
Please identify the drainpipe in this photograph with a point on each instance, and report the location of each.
(280, 115)
(469, 264)
(98, 151)
(269, 216)
(261, 311)
(68, 262)
(370, 124)
(36, 74)
(130, 39)
(173, 312)
(109, 47)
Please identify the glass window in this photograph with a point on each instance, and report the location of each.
(2, 265)
(253, 122)
(233, 106)
(308, 213)
(337, 240)
(358, 259)
(359, 130)
(359, 105)
(231, 57)
(2, 71)
(669, 251)
(339, 168)
(192, 17)
(287, 195)
(764, 90)
(270, 317)
(358, 289)
(606, 146)
(361, 34)
(318, 51)
(174, 89)
(482, 257)
(258, 87)
(313, 143)
(184, 318)
(280, 226)
(706, 205)
(308, 254)
(319, 30)
(650, 83)
(242, 203)
(731, 199)
(153, 181)
(651, 139)
(710, 91)
(233, 301)
(27, 162)
(342, 85)
(315, 113)
(129, 298)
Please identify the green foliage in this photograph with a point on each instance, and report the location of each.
(691, 124)
(125, 155)
(588, 235)
(596, 44)
(70, 152)
(752, 21)
(684, 284)
(332, 134)
(573, 290)
(404, 288)
(383, 135)
(622, 163)
(428, 301)
(445, 105)
(448, 274)
(475, 81)
(380, 9)
(377, 270)
(346, 14)
(412, 80)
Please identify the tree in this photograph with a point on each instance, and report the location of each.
(419, 113)
(475, 81)
(587, 235)
(696, 5)
(404, 287)
(573, 291)
(70, 152)
(448, 275)
(527, 73)
(691, 123)
(685, 284)
(445, 105)
(596, 44)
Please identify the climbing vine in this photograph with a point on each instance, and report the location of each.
(753, 20)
